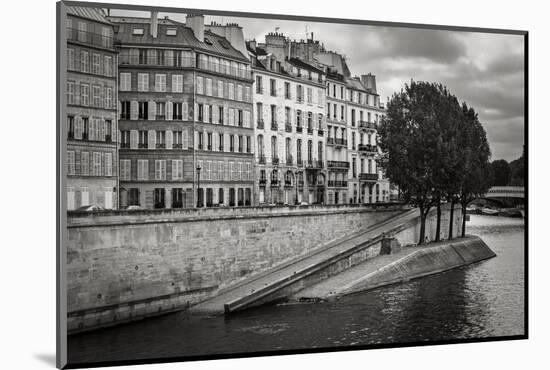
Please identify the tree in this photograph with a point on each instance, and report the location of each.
(501, 174)
(414, 138)
(517, 171)
(476, 177)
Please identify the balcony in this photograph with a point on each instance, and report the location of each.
(320, 132)
(289, 160)
(300, 162)
(288, 96)
(160, 117)
(125, 116)
(274, 126)
(365, 125)
(337, 164)
(124, 145)
(337, 184)
(288, 183)
(260, 124)
(160, 145)
(275, 161)
(90, 38)
(367, 148)
(288, 127)
(310, 130)
(314, 164)
(273, 92)
(299, 99)
(263, 182)
(274, 183)
(259, 90)
(142, 145)
(261, 159)
(372, 177)
(330, 140)
(177, 146)
(177, 117)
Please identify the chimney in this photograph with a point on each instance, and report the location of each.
(154, 24)
(196, 23)
(369, 81)
(252, 44)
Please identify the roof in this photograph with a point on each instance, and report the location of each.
(184, 36)
(355, 84)
(93, 14)
(258, 50)
(301, 64)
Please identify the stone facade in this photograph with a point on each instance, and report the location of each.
(92, 164)
(185, 116)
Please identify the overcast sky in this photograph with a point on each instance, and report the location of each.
(484, 70)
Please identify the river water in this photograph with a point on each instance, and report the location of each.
(485, 299)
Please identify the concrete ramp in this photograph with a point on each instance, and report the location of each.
(410, 263)
(293, 276)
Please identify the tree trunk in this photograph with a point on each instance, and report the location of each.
(463, 219)
(451, 216)
(438, 226)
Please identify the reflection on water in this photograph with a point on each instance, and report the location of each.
(481, 300)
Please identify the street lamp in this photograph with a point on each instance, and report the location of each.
(198, 185)
(296, 185)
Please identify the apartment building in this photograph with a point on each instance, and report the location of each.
(290, 125)
(185, 107)
(91, 120)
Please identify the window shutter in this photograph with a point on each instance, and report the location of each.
(184, 112)
(78, 127)
(174, 169)
(134, 139)
(102, 126)
(92, 130)
(196, 114)
(169, 139)
(184, 139)
(226, 142)
(134, 110)
(113, 131)
(152, 139)
(215, 141)
(118, 108)
(215, 114)
(206, 113)
(152, 110)
(169, 108)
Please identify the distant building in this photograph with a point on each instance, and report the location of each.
(290, 125)
(92, 163)
(185, 106)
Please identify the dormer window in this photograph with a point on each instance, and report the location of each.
(171, 31)
(208, 41)
(137, 31)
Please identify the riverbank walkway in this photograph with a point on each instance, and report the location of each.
(268, 281)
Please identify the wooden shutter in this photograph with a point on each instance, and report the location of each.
(226, 142)
(152, 110)
(169, 139)
(134, 110)
(184, 112)
(118, 108)
(113, 131)
(215, 141)
(174, 169)
(151, 139)
(196, 113)
(102, 126)
(206, 113)
(169, 108)
(184, 139)
(134, 135)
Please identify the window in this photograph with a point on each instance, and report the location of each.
(70, 127)
(125, 169)
(143, 110)
(177, 140)
(200, 113)
(176, 111)
(160, 57)
(310, 151)
(231, 91)
(209, 141)
(299, 118)
(240, 117)
(320, 151)
(95, 63)
(220, 89)
(142, 56)
(299, 94)
(200, 140)
(125, 139)
(161, 139)
(85, 94)
(240, 144)
(177, 83)
(70, 92)
(96, 169)
(209, 86)
(108, 130)
(160, 82)
(70, 162)
(248, 145)
(160, 110)
(108, 66)
(309, 95)
(85, 128)
(239, 92)
(143, 169)
(108, 98)
(96, 97)
(125, 81)
(220, 115)
(259, 87)
(177, 169)
(137, 31)
(231, 143)
(273, 87)
(124, 110)
(200, 86)
(82, 28)
(220, 142)
(287, 90)
(160, 169)
(70, 59)
(85, 163)
(158, 196)
(84, 60)
(143, 139)
(143, 81)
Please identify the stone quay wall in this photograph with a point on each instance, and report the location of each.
(127, 265)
